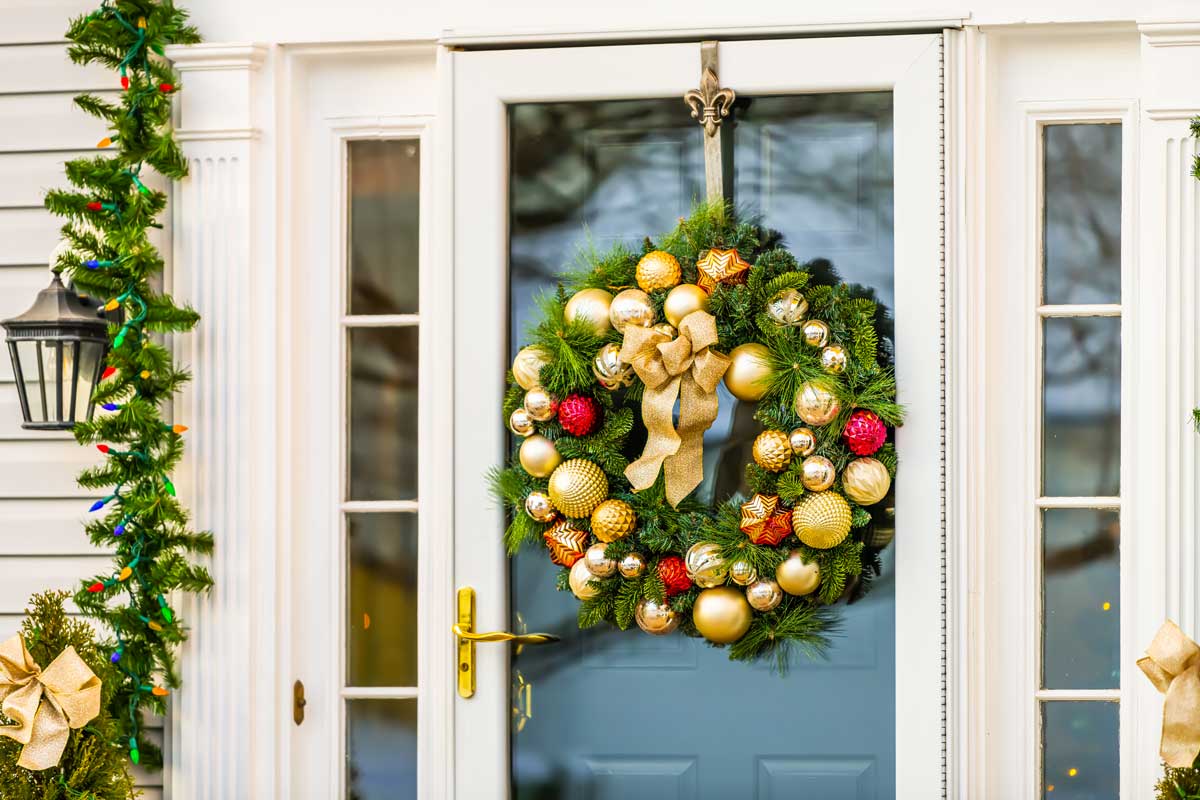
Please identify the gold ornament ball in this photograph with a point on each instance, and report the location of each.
(590, 306)
(538, 506)
(631, 307)
(797, 576)
(866, 481)
(577, 487)
(683, 300)
(527, 366)
(632, 565)
(787, 308)
(658, 270)
(704, 565)
(764, 595)
(803, 441)
(749, 373)
(610, 370)
(816, 403)
(613, 519)
(817, 473)
(833, 359)
(722, 615)
(667, 329)
(599, 564)
(741, 573)
(822, 519)
(580, 575)
(541, 405)
(657, 619)
(538, 455)
(883, 529)
(816, 333)
(772, 451)
(520, 422)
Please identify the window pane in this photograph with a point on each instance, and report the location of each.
(381, 749)
(1080, 762)
(383, 413)
(1081, 428)
(382, 600)
(1081, 601)
(1083, 213)
(385, 180)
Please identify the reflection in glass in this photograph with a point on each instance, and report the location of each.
(1082, 213)
(381, 749)
(1081, 602)
(385, 180)
(1081, 426)
(1081, 758)
(381, 600)
(383, 414)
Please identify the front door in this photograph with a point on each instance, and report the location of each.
(835, 143)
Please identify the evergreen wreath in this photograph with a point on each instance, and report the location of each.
(761, 574)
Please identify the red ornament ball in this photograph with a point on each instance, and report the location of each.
(864, 433)
(579, 415)
(674, 575)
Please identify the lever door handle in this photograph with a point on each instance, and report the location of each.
(466, 638)
(504, 636)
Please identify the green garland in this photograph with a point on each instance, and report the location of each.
(110, 211)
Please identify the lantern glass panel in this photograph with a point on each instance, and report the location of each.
(29, 354)
(51, 353)
(90, 354)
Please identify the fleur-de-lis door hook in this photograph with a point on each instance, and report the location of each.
(710, 104)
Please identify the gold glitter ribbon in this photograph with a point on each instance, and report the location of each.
(1172, 663)
(684, 368)
(44, 703)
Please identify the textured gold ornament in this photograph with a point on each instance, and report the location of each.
(527, 366)
(538, 506)
(613, 519)
(866, 481)
(817, 473)
(667, 329)
(721, 266)
(797, 576)
(788, 308)
(749, 373)
(705, 566)
(657, 270)
(539, 456)
(599, 564)
(803, 441)
(816, 333)
(683, 300)
(657, 619)
(822, 519)
(764, 595)
(565, 542)
(590, 306)
(541, 405)
(580, 581)
(577, 487)
(816, 403)
(741, 573)
(833, 359)
(631, 307)
(722, 615)
(520, 423)
(610, 370)
(772, 451)
(755, 513)
(632, 565)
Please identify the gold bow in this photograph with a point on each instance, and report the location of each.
(45, 703)
(1172, 663)
(686, 368)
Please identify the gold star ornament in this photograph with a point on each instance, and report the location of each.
(721, 266)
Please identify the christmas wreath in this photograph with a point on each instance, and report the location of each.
(609, 403)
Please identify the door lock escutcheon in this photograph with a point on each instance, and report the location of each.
(464, 632)
(298, 702)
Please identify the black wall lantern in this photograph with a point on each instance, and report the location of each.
(57, 349)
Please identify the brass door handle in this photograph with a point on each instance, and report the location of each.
(467, 638)
(504, 636)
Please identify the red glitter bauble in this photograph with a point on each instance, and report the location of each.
(579, 415)
(864, 433)
(674, 575)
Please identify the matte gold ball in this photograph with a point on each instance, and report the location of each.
(705, 566)
(538, 506)
(590, 306)
(764, 595)
(683, 300)
(772, 451)
(741, 573)
(749, 373)
(866, 481)
(722, 615)
(657, 619)
(613, 519)
(527, 366)
(631, 307)
(577, 487)
(787, 308)
(816, 403)
(797, 576)
(610, 370)
(833, 359)
(803, 441)
(632, 565)
(579, 580)
(599, 564)
(816, 333)
(520, 422)
(658, 270)
(817, 473)
(821, 519)
(541, 405)
(539, 456)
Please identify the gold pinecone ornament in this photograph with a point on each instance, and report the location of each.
(658, 270)
(577, 487)
(772, 451)
(822, 519)
(612, 520)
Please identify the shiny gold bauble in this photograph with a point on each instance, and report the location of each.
(803, 441)
(657, 619)
(599, 564)
(817, 473)
(538, 506)
(816, 403)
(541, 405)
(705, 566)
(579, 580)
(788, 308)
(667, 329)
(833, 359)
(764, 595)
(772, 451)
(527, 366)
(520, 423)
(797, 576)
(816, 333)
(577, 487)
(722, 615)
(683, 300)
(883, 525)
(821, 519)
(632, 565)
(658, 270)
(631, 307)
(866, 481)
(539, 456)
(610, 370)
(741, 573)
(590, 306)
(613, 519)
(749, 373)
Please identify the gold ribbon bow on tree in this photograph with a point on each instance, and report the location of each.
(45, 703)
(1172, 663)
(686, 368)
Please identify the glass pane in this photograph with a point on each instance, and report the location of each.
(1082, 213)
(382, 600)
(88, 365)
(51, 355)
(385, 182)
(30, 357)
(1081, 600)
(383, 414)
(1081, 758)
(381, 749)
(1081, 426)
